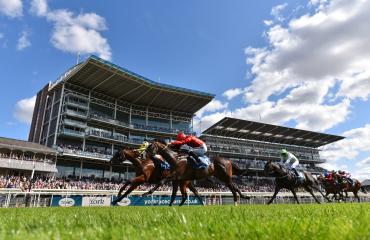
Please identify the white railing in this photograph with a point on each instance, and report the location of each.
(43, 166)
(44, 197)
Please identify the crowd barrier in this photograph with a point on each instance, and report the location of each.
(86, 198)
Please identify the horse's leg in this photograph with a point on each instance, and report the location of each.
(295, 195)
(175, 186)
(135, 182)
(240, 193)
(131, 188)
(195, 191)
(184, 193)
(356, 195)
(322, 194)
(123, 187)
(308, 189)
(274, 196)
(151, 191)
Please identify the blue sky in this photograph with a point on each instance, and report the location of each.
(296, 63)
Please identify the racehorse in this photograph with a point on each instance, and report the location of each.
(182, 171)
(355, 188)
(331, 188)
(284, 179)
(146, 172)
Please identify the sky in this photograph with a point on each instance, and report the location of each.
(303, 64)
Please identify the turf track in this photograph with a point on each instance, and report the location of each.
(329, 221)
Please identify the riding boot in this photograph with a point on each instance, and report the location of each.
(296, 173)
(195, 157)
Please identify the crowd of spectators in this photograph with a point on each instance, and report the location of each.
(72, 183)
(26, 157)
(90, 151)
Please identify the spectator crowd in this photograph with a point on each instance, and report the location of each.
(72, 183)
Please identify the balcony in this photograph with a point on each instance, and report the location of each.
(112, 137)
(237, 151)
(74, 123)
(42, 166)
(84, 154)
(73, 103)
(72, 113)
(135, 126)
(71, 133)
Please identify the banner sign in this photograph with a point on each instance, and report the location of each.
(156, 201)
(96, 201)
(100, 201)
(66, 201)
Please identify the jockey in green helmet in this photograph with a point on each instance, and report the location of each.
(289, 160)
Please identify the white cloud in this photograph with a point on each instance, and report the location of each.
(11, 8)
(276, 11)
(23, 41)
(24, 109)
(231, 93)
(39, 7)
(212, 106)
(311, 69)
(357, 140)
(348, 150)
(363, 163)
(75, 33)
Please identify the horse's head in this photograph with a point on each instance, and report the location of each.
(124, 154)
(157, 147)
(268, 169)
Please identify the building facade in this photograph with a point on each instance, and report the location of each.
(22, 158)
(251, 144)
(97, 108)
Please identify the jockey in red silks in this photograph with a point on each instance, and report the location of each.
(196, 147)
(345, 176)
(329, 176)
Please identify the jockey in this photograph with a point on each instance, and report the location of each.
(329, 177)
(158, 158)
(290, 161)
(345, 175)
(142, 148)
(196, 147)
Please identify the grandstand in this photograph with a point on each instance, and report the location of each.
(251, 144)
(22, 158)
(97, 107)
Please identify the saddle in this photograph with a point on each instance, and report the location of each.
(201, 163)
(294, 173)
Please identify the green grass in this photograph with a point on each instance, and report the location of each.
(328, 221)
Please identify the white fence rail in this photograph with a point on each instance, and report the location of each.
(47, 197)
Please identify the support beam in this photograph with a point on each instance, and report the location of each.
(58, 117)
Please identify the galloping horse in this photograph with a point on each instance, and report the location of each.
(146, 172)
(182, 171)
(355, 188)
(285, 180)
(331, 188)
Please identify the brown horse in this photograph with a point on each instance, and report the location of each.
(146, 172)
(331, 188)
(182, 171)
(355, 188)
(286, 180)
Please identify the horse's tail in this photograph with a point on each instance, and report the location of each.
(237, 170)
(363, 189)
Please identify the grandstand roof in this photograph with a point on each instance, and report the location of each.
(16, 144)
(244, 129)
(112, 80)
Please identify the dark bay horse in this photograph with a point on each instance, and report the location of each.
(285, 180)
(331, 188)
(182, 171)
(355, 188)
(146, 172)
